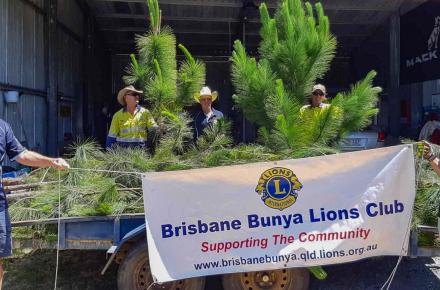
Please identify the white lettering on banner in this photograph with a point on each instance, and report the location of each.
(280, 214)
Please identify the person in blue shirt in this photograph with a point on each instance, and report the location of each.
(208, 115)
(10, 146)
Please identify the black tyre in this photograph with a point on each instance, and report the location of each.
(134, 273)
(286, 279)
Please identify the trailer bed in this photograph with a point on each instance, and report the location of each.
(84, 233)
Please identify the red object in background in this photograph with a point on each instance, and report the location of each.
(381, 136)
(405, 112)
(433, 116)
(435, 137)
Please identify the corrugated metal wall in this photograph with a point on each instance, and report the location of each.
(22, 64)
(71, 16)
(70, 61)
(70, 83)
(22, 52)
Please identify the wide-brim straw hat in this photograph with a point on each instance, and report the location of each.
(124, 91)
(206, 91)
(319, 87)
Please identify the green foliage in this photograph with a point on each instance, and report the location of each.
(297, 44)
(157, 56)
(155, 15)
(179, 133)
(216, 137)
(191, 78)
(155, 69)
(253, 82)
(428, 192)
(318, 272)
(296, 50)
(360, 104)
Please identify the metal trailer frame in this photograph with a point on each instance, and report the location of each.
(87, 233)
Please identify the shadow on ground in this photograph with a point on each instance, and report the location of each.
(369, 274)
(80, 270)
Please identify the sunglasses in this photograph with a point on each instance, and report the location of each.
(318, 94)
(132, 94)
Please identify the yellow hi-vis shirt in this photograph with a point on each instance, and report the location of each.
(131, 130)
(308, 112)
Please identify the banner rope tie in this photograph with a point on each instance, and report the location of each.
(151, 285)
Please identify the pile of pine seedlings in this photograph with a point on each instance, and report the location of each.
(85, 192)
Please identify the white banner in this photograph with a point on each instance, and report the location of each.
(291, 213)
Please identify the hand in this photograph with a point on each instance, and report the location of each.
(427, 151)
(162, 128)
(60, 163)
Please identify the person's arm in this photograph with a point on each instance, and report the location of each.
(34, 159)
(151, 123)
(112, 133)
(18, 153)
(431, 158)
(435, 165)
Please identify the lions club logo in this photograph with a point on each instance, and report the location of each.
(279, 187)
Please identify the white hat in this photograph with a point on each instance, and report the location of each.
(206, 91)
(124, 91)
(319, 87)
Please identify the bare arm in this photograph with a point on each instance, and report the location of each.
(430, 157)
(34, 159)
(435, 165)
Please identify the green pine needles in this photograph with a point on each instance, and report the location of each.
(296, 50)
(154, 69)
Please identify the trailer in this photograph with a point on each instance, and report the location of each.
(124, 239)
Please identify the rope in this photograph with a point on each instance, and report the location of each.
(44, 175)
(59, 226)
(59, 210)
(389, 281)
(106, 171)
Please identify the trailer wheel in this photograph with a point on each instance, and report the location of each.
(286, 279)
(134, 273)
